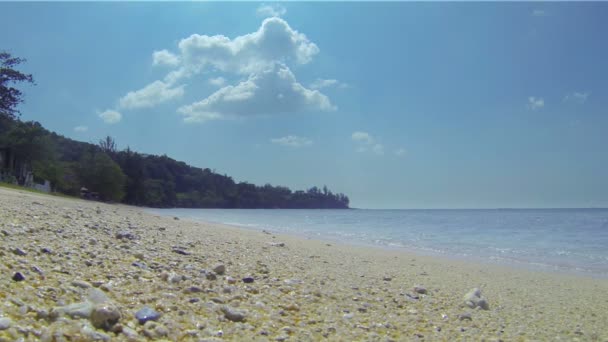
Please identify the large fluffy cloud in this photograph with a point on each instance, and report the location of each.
(151, 95)
(272, 91)
(274, 41)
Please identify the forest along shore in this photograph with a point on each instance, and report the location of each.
(74, 270)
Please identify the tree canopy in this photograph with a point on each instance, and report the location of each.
(11, 97)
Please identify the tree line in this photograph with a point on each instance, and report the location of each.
(127, 176)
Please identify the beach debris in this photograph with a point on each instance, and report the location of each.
(5, 323)
(474, 299)
(419, 289)
(18, 276)
(233, 314)
(248, 280)
(219, 269)
(146, 314)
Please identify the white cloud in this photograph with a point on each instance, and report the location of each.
(292, 141)
(151, 95)
(274, 10)
(275, 41)
(576, 97)
(535, 103)
(362, 137)
(218, 81)
(400, 152)
(110, 116)
(81, 129)
(164, 57)
(273, 91)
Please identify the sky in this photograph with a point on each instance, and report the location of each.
(397, 105)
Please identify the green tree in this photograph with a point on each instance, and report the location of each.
(11, 97)
(99, 173)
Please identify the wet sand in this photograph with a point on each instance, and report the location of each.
(88, 267)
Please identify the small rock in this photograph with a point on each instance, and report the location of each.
(181, 251)
(387, 278)
(219, 269)
(46, 250)
(233, 314)
(125, 235)
(5, 323)
(97, 296)
(193, 289)
(176, 218)
(419, 289)
(277, 244)
(76, 310)
(466, 315)
(230, 280)
(104, 316)
(210, 275)
(92, 241)
(19, 251)
(146, 314)
(18, 276)
(81, 284)
(248, 280)
(474, 299)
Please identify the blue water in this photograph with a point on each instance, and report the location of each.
(571, 240)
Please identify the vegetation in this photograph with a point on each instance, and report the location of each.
(10, 96)
(126, 176)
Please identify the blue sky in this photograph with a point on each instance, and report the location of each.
(398, 105)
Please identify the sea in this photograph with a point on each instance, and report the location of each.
(556, 240)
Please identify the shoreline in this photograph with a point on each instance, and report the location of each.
(525, 265)
(300, 289)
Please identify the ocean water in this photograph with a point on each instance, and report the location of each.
(564, 240)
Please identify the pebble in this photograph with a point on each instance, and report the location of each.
(18, 276)
(466, 315)
(76, 310)
(5, 323)
(248, 280)
(474, 299)
(419, 289)
(19, 251)
(104, 316)
(387, 278)
(230, 280)
(181, 251)
(125, 235)
(233, 314)
(210, 275)
(146, 314)
(219, 269)
(81, 284)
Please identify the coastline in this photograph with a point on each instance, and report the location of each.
(302, 289)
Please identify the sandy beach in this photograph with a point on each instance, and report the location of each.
(76, 270)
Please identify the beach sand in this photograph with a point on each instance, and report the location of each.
(88, 267)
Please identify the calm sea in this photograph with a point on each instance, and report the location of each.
(570, 240)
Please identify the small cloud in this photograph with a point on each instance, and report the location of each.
(81, 128)
(110, 116)
(540, 13)
(218, 81)
(164, 57)
(151, 95)
(378, 149)
(535, 103)
(400, 152)
(362, 137)
(320, 83)
(576, 97)
(292, 141)
(271, 10)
